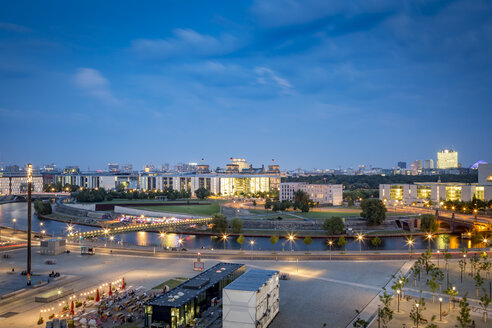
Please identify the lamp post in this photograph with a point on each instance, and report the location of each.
(438, 252)
(224, 238)
(29, 214)
(454, 303)
(330, 242)
(440, 308)
(14, 220)
(252, 243)
(291, 239)
(398, 299)
(429, 238)
(359, 239)
(418, 315)
(180, 242)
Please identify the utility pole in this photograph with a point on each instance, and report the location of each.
(29, 187)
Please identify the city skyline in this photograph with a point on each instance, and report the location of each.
(309, 84)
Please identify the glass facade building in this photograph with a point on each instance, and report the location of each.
(180, 306)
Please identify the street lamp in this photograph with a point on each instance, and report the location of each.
(360, 237)
(438, 252)
(180, 242)
(410, 242)
(330, 242)
(418, 316)
(440, 308)
(29, 214)
(398, 298)
(224, 239)
(252, 243)
(291, 239)
(429, 238)
(14, 220)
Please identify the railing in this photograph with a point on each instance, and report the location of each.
(137, 227)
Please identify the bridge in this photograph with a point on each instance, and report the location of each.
(138, 227)
(460, 225)
(42, 195)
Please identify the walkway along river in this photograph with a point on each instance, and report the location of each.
(53, 228)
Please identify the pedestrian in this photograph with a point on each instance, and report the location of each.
(473, 324)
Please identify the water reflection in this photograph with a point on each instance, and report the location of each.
(444, 241)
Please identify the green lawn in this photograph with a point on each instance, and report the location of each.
(171, 283)
(205, 210)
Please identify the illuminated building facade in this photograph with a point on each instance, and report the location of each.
(243, 180)
(318, 193)
(447, 159)
(16, 183)
(433, 191)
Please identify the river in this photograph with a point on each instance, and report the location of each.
(19, 211)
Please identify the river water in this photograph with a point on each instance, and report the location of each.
(19, 211)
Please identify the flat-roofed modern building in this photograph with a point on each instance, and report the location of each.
(180, 306)
(319, 193)
(252, 300)
(16, 183)
(447, 159)
(434, 191)
(240, 180)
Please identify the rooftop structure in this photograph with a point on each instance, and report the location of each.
(180, 305)
(252, 300)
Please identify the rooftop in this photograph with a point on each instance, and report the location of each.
(190, 289)
(252, 280)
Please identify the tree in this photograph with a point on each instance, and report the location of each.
(202, 193)
(240, 240)
(376, 241)
(464, 315)
(360, 323)
(301, 200)
(236, 225)
(342, 242)
(428, 222)
(308, 240)
(373, 210)
(484, 303)
(219, 222)
(334, 225)
(42, 208)
(385, 314)
(254, 202)
(274, 239)
(416, 312)
(268, 203)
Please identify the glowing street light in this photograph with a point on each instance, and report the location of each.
(398, 297)
(429, 238)
(291, 238)
(14, 220)
(360, 238)
(410, 242)
(224, 239)
(330, 242)
(440, 308)
(180, 242)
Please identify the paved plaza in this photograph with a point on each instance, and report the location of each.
(318, 291)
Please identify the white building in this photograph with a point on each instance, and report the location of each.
(447, 159)
(16, 183)
(320, 193)
(252, 300)
(434, 191)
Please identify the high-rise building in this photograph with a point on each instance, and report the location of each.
(428, 164)
(127, 168)
(113, 167)
(447, 159)
(402, 165)
(416, 165)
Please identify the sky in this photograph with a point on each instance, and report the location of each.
(308, 84)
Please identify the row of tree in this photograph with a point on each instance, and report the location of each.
(101, 195)
(300, 201)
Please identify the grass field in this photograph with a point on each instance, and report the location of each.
(205, 210)
(171, 283)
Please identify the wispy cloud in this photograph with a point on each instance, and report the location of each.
(185, 42)
(13, 27)
(266, 75)
(93, 83)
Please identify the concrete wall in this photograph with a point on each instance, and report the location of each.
(484, 171)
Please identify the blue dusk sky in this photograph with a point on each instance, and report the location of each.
(311, 84)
